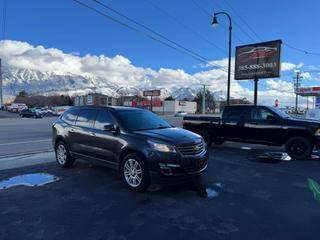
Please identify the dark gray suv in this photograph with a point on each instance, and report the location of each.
(136, 142)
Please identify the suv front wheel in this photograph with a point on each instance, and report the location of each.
(135, 173)
(299, 148)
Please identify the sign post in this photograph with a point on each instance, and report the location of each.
(259, 60)
(151, 94)
(256, 80)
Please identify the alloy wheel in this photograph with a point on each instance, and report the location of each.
(61, 154)
(133, 172)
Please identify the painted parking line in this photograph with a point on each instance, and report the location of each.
(25, 142)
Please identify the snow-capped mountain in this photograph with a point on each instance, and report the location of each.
(185, 93)
(50, 83)
(37, 82)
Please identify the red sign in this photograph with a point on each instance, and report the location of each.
(145, 103)
(308, 91)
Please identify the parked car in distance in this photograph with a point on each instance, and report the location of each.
(30, 114)
(140, 145)
(260, 125)
(59, 110)
(17, 107)
(180, 114)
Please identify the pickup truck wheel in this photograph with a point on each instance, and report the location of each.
(63, 155)
(206, 137)
(299, 148)
(135, 173)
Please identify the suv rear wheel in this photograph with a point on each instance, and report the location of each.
(63, 155)
(299, 148)
(135, 173)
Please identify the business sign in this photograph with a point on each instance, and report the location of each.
(89, 100)
(259, 60)
(145, 103)
(308, 91)
(151, 93)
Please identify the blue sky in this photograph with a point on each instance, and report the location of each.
(64, 25)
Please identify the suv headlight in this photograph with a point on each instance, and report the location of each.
(317, 133)
(161, 147)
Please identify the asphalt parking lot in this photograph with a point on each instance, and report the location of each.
(239, 197)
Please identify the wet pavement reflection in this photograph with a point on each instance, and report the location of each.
(30, 180)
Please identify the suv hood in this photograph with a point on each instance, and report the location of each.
(174, 136)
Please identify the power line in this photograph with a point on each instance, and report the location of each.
(243, 20)
(185, 26)
(205, 12)
(203, 59)
(255, 33)
(300, 50)
(147, 35)
(151, 30)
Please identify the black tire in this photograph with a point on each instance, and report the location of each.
(128, 176)
(299, 148)
(66, 161)
(206, 137)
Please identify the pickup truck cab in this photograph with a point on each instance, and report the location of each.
(260, 125)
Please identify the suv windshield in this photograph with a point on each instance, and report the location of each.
(138, 120)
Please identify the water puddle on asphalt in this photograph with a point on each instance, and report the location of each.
(246, 148)
(280, 156)
(30, 180)
(210, 192)
(271, 157)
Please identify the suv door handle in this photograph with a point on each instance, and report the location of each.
(92, 134)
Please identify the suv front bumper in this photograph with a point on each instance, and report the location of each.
(174, 167)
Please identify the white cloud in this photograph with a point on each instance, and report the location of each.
(287, 66)
(121, 71)
(306, 75)
(279, 85)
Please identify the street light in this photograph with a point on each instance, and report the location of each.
(215, 24)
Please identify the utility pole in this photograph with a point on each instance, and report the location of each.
(204, 99)
(297, 84)
(1, 84)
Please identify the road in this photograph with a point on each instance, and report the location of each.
(24, 135)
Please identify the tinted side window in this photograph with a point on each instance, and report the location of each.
(261, 114)
(86, 118)
(237, 113)
(102, 119)
(70, 116)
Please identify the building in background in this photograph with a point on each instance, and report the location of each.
(95, 99)
(164, 107)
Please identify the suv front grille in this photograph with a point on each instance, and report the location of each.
(191, 149)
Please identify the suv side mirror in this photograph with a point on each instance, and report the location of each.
(110, 127)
